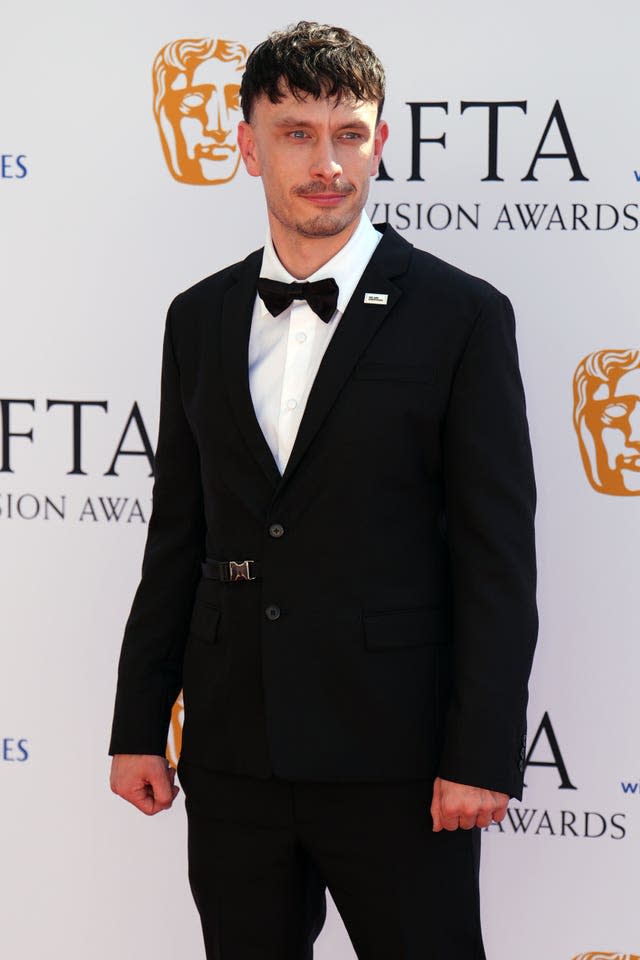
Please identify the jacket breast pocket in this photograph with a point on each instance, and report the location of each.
(399, 629)
(408, 372)
(205, 620)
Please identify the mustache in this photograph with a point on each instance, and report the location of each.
(338, 186)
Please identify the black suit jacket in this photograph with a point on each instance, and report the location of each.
(404, 580)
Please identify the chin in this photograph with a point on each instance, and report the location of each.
(324, 225)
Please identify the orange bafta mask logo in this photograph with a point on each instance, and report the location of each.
(599, 955)
(606, 416)
(174, 742)
(196, 102)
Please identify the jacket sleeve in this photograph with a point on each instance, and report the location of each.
(150, 668)
(490, 504)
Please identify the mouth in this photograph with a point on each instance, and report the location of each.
(325, 199)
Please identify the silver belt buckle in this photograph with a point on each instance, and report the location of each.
(240, 571)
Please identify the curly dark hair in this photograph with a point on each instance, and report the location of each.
(314, 59)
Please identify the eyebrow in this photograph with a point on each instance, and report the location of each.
(292, 121)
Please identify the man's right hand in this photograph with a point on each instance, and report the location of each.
(145, 780)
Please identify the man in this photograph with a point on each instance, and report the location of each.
(340, 566)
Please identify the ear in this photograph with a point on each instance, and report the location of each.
(379, 140)
(248, 148)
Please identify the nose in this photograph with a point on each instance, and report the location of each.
(324, 165)
(218, 126)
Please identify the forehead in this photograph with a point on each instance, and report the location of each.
(305, 108)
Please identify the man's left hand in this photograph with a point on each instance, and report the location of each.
(456, 805)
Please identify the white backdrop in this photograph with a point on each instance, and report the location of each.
(97, 237)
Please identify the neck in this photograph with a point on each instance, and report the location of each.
(302, 256)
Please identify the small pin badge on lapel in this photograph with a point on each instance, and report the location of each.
(378, 298)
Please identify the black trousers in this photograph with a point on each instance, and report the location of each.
(262, 851)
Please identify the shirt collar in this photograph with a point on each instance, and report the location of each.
(346, 267)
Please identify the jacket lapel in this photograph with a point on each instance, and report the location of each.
(356, 329)
(237, 312)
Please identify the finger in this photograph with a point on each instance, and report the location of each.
(466, 823)
(435, 807)
(142, 798)
(500, 804)
(153, 796)
(450, 823)
(146, 805)
(150, 806)
(462, 815)
(161, 786)
(485, 812)
(484, 820)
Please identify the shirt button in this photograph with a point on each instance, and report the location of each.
(292, 404)
(301, 336)
(272, 612)
(276, 530)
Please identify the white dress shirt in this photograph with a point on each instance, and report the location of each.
(285, 352)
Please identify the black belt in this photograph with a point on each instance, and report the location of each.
(228, 570)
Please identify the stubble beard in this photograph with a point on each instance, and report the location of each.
(325, 223)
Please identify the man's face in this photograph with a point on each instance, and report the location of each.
(315, 158)
(612, 418)
(203, 111)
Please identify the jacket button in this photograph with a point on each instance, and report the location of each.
(272, 612)
(276, 530)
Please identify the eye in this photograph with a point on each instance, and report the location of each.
(351, 135)
(297, 134)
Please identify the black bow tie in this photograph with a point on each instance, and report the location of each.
(321, 295)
